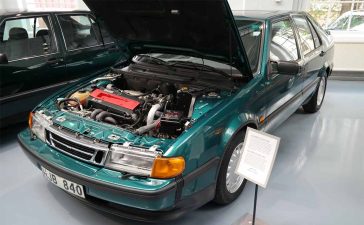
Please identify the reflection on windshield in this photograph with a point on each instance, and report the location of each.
(251, 33)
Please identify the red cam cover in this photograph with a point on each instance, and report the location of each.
(115, 99)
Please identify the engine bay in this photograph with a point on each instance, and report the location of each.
(144, 105)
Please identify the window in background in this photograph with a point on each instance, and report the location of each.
(26, 37)
(335, 14)
(341, 24)
(283, 43)
(357, 22)
(78, 31)
(104, 36)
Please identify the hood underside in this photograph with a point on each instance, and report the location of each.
(202, 28)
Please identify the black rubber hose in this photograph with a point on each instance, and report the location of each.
(95, 113)
(102, 115)
(111, 120)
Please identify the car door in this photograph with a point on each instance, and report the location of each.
(282, 91)
(35, 64)
(86, 50)
(311, 49)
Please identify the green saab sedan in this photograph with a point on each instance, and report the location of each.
(161, 134)
(40, 52)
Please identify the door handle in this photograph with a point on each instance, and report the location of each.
(322, 53)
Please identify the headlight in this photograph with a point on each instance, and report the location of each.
(143, 162)
(38, 122)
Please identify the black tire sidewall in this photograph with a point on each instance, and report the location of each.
(311, 106)
(223, 196)
(323, 97)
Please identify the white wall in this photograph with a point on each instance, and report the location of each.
(269, 4)
(33, 5)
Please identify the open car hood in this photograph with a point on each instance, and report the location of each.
(201, 28)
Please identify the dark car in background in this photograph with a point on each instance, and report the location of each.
(42, 51)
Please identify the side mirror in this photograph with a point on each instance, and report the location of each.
(285, 67)
(3, 58)
(328, 32)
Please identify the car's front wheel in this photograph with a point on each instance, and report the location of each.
(229, 184)
(316, 100)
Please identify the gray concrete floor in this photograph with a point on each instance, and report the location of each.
(317, 178)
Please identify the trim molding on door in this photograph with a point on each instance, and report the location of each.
(294, 98)
(30, 92)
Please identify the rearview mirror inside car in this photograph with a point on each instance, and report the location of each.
(3, 58)
(285, 67)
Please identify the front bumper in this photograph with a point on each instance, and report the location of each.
(161, 203)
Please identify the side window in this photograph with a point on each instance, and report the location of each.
(78, 31)
(315, 36)
(26, 37)
(305, 35)
(283, 44)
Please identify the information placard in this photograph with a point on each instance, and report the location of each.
(259, 152)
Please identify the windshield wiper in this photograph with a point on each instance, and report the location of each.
(149, 59)
(197, 66)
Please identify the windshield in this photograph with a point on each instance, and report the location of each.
(340, 24)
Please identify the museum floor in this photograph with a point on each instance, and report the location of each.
(317, 178)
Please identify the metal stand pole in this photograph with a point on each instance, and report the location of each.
(255, 203)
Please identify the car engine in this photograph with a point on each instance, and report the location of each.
(141, 105)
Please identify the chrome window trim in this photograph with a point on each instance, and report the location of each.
(32, 57)
(34, 16)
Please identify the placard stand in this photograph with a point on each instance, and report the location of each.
(256, 161)
(255, 203)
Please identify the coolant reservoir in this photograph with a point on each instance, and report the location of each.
(81, 95)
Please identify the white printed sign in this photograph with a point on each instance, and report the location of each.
(259, 152)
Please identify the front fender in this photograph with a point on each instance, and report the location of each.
(235, 125)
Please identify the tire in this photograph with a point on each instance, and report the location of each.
(316, 100)
(225, 195)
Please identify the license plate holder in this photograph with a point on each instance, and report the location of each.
(66, 185)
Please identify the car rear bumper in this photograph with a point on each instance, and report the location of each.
(161, 204)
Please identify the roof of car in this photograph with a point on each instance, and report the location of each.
(261, 14)
(12, 12)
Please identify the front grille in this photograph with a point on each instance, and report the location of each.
(81, 148)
